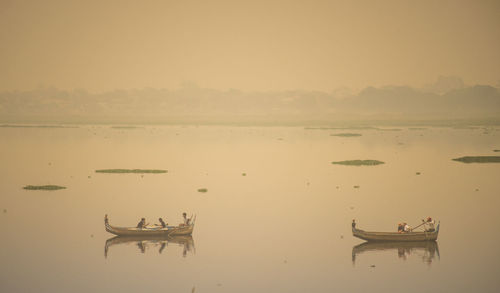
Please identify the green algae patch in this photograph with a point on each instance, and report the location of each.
(478, 159)
(358, 163)
(126, 127)
(202, 190)
(43, 187)
(123, 171)
(346, 134)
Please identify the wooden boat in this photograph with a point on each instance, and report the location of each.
(150, 231)
(395, 236)
(146, 242)
(428, 250)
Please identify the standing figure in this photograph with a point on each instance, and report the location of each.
(429, 225)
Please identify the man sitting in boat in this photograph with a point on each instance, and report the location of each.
(429, 225)
(400, 228)
(142, 223)
(406, 228)
(162, 224)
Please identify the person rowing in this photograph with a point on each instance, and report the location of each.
(162, 223)
(142, 224)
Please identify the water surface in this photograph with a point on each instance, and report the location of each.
(284, 227)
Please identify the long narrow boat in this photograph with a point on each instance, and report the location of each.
(150, 231)
(395, 236)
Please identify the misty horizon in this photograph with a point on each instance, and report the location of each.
(448, 98)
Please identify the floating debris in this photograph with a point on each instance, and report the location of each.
(478, 159)
(418, 173)
(43, 187)
(4, 211)
(356, 186)
(496, 151)
(359, 162)
(346, 134)
(130, 171)
(202, 190)
(372, 266)
(243, 174)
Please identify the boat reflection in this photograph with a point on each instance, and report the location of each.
(427, 250)
(147, 242)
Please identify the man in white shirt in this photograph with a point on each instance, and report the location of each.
(407, 228)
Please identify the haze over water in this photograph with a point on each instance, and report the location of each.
(284, 227)
(246, 104)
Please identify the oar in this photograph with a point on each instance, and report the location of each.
(418, 225)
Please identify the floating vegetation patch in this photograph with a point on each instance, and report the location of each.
(341, 128)
(36, 126)
(359, 162)
(202, 190)
(496, 151)
(346, 134)
(389, 129)
(126, 127)
(122, 171)
(43, 187)
(478, 159)
(243, 174)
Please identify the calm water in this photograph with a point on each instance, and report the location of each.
(284, 227)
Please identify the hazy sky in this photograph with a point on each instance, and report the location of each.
(248, 45)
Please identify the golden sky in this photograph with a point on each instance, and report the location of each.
(248, 45)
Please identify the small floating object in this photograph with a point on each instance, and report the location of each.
(43, 187)
(202, 190)
(356, 186)
(418, 173)
(372, 266)
(243, 174)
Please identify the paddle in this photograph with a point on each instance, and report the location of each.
(423, 222)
